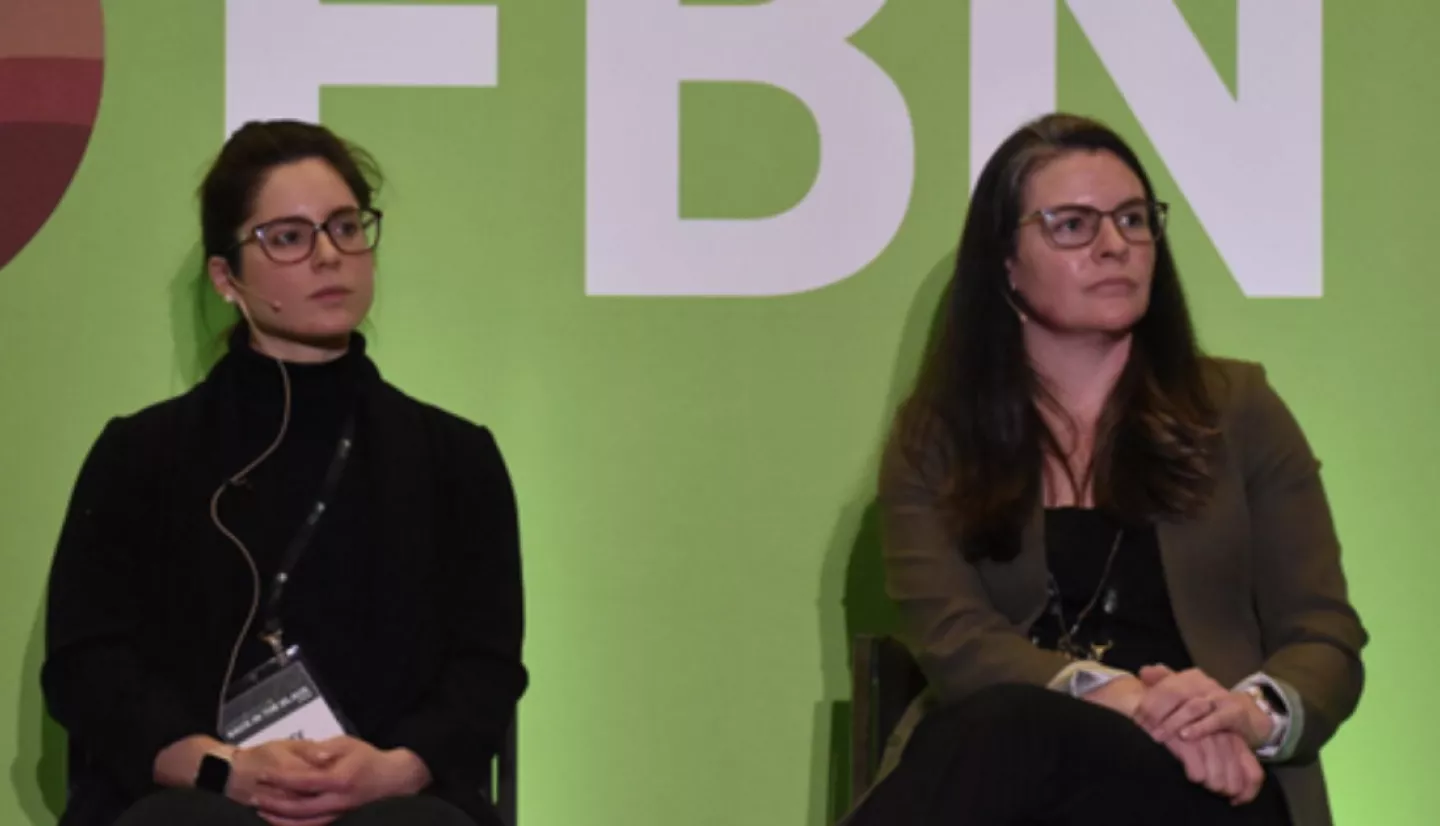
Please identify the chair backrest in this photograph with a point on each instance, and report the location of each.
(503, 782)
(884, 681)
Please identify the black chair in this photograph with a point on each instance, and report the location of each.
(884, 681)
(503, 782)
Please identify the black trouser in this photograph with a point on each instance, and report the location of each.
(195, 808)
(1027, 756)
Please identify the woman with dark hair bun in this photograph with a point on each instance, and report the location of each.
(293, 594)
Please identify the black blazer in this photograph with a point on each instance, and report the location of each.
(144, 605)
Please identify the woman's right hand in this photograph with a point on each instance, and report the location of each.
(1222, 763)
(266, 776)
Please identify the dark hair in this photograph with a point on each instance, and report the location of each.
(976, 400)
(227, 196)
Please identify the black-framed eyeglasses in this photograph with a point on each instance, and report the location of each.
(292, 240)
(1075, 225)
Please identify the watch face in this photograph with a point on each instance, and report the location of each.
(214, 774)
(1268, 696)
(1274, 697)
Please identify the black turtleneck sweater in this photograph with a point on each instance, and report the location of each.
(335, 573)
(407, 601)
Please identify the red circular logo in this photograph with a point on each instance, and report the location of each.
(51, 70)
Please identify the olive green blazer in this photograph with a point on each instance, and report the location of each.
(1255, 581)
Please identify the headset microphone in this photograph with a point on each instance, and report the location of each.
(239, 478)
(1018, 303)
(275, 306)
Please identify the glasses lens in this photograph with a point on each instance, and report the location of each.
(354, 231)
(1139, 223)
(287, 241)
(1072, 226)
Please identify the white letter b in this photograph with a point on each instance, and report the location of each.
(640, 51)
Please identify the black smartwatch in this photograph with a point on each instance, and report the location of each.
(214, 774)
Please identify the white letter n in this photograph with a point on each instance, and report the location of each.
(1250, 166)
(278, 53)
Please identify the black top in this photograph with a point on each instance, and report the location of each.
(335, 576)
(407, 601)
(1132, 613)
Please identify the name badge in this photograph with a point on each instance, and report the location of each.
(279, 700)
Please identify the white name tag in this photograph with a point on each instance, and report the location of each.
(279, 701)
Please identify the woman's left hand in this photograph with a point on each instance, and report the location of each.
(355, 773)
(1193, 706)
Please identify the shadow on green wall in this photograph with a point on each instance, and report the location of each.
(38, 773)
(852, 591)
(199, 320)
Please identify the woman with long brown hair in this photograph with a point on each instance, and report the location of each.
(1113, 555)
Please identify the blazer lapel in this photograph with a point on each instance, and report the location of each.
(403, 496)
(1018, 587)
(1186, 551)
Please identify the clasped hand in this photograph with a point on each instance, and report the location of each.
(302, 783)
(1211, 730)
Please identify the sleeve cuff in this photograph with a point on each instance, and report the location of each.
(1289, 718)
(431, 739)
(1080, 678)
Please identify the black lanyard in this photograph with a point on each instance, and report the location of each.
(271, 626)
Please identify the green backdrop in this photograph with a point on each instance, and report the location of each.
(695, 474)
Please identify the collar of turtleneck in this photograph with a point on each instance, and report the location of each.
(321, 393)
